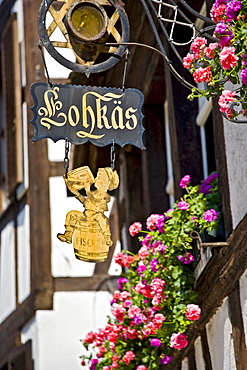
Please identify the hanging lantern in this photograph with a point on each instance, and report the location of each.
(87, 20)
(85, 25)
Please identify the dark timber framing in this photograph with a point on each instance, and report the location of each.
(143, 177)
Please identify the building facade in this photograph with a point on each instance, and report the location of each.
(48, 299)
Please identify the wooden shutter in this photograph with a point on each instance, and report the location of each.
(12, 100)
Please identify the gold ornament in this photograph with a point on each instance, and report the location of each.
(90, 230)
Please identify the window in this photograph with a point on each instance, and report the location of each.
(11, 111)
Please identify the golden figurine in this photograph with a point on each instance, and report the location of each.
(90, 230)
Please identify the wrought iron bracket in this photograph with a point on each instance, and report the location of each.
(82, 67)
(196, 236)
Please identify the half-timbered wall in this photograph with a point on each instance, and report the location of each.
(47, 300)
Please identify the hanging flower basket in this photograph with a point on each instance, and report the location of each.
(223, 59)
(155, 301)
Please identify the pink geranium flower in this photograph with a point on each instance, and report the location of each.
(187, 61)
(159, 318)
(198, 46)
(129, 356)
(123, 259)
(183, 205)
(228, 58)
(143, 252)
(210, 215)
(152, 221)
(90, 338)
(133, 311)
(202, 74)
(184, 181)
(193, 312)
(217, 12)
(141, 367)
(178, 341)
(131, 333)
(156, 342)
(210, 51)
(225, 99)
(135, 228)
(118, 311)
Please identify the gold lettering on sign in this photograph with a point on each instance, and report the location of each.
(73, 112)
(93, 114)
(129, 117)
(50, 109)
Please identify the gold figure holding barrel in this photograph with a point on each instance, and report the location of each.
(90, 230)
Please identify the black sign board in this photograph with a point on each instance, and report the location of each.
(82, 113)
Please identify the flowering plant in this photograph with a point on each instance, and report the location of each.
(155, 301)
(223, 60)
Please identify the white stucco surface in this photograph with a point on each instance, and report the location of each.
(7, 272)
(56, 151)
(243, 300)
(23, 254)
(236, 149)
(56, 334)
(219, 332)
(200, 364)
(185, 364)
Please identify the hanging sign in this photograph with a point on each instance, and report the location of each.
(89, 231)
(82, 113)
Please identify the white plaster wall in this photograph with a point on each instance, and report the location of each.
(200, 364)
(23, 254)
(219, 331)
(7, 272)
(236, 149)
(56, 334)
(243, 300)
(185, 364)
(56, 151)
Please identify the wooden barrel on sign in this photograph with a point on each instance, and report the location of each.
(89, 242)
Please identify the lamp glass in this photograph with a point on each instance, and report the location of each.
(88, 21)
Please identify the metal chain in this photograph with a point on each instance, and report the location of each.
(127, 52)
(66, 158)
(113, 155)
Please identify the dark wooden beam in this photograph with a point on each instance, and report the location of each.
(56, 169)
(238, 336)
(205, 350)
(5, 9)
(80, 283)
(10, 328)
(38, 195)
(192, 360)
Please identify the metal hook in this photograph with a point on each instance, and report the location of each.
(196, 235)
(39, 44)
(127, 52)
